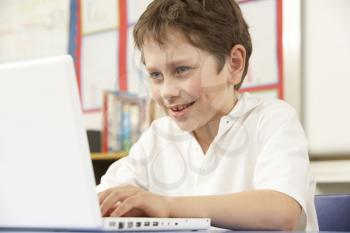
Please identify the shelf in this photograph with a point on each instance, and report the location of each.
(324, 171)
(336, 171)
(108, 156)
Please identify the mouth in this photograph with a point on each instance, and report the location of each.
(181, 107)
(180, 110)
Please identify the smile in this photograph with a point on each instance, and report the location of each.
(181, 107)
(180, 111)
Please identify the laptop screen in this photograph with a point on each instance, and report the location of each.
(46, 176)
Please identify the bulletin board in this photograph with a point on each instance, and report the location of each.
(32, 29)
(103, 50)
(265, 73)
(102, 45)
(94, 43)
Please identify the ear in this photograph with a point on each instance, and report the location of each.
(236, 63)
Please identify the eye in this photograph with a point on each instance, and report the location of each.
(182, 69)
(156, 75)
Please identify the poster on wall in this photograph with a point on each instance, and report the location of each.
(32, 29)
(94, 38)
(103, 49)
(265, 73)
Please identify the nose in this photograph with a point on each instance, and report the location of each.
(170, 88)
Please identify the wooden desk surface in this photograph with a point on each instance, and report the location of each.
(108, 156)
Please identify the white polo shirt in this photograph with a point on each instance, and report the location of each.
(260, 145)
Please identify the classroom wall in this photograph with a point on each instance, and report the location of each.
(93, 120)
(292, 53)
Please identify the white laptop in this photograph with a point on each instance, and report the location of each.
(46, 175)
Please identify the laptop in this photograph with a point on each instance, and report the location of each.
(46, 174)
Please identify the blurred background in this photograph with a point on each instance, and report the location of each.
(301, 53)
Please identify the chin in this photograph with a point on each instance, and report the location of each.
(187, 126)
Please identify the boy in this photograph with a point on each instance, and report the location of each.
(239, 160)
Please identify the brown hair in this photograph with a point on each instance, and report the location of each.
(212, 25)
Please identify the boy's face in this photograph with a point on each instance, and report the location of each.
(186, 83)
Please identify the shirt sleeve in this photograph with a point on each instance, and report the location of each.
(283, 162)
(130, 170)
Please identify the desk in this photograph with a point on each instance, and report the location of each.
(48, 231)
(204, 231)
(51, 231)
(108, 156)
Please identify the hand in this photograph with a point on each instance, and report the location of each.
(131, 201)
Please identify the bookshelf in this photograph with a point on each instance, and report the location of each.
(102, 161)
(108, 156)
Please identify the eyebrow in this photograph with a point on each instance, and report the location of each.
(171, 64)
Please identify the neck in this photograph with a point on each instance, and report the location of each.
(206, 134)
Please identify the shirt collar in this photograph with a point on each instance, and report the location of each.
(245, 104)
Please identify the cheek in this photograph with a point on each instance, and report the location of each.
(155, 91)
(197, 89)
(193, 87)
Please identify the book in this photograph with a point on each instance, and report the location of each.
(124, 119)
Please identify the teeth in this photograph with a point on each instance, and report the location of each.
(181, 107)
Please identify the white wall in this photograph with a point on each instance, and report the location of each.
(326, 76)
(93, 120)
(292, 52)
(325, 90)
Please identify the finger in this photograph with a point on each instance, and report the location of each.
(117, 195)
(125, 207)
(111, 209)
(111, 202)
(102, 195)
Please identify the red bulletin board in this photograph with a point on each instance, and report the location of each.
(76, 43)
(276, 53)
